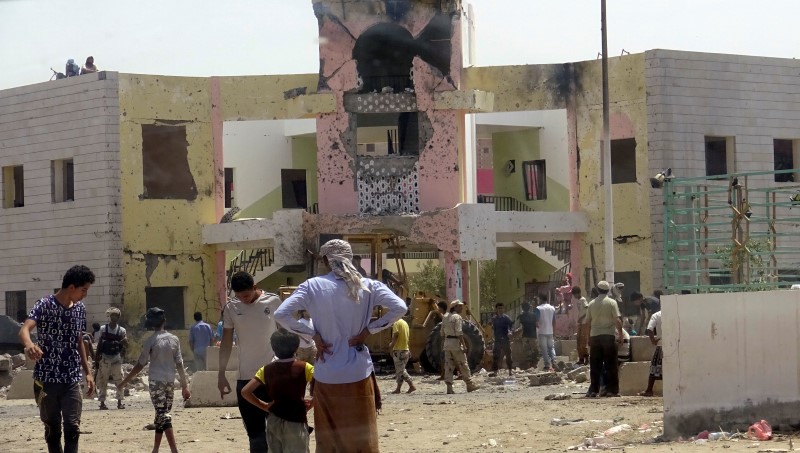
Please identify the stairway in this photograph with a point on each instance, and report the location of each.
(254, 262)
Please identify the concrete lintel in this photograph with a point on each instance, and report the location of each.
(310, 105)
(538, 226)
(476, 236)
(473, 101)
(283, 231)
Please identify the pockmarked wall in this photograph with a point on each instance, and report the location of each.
(161, 237)
(730, 360)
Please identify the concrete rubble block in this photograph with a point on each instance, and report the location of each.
(22, 386)
(633, 379)
(17, 360)
(544, 379)
(641, 349)
(565, 347)
(6, 378)
(205, 392)
(577, 371)
(583, 377)
(212, 359)
(5, 363)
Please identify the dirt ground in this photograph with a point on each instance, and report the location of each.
(497, 417)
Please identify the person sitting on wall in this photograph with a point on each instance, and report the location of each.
(89, 67)
(72, 69)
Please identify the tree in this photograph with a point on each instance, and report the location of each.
(430, 280)
(488, 283)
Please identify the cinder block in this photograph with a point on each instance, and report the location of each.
(633, 379)
(22, 386)
(212, 360)
(544, 379)
(565, 347)
(641, 349)
(5, 363)
(205, 392)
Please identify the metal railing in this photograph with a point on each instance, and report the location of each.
(250, 261)
(313, 209)
(504, 203)
(561, 249)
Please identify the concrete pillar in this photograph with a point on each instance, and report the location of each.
(452, 276)
(474, 286)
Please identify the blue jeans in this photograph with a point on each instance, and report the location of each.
(59, 402)
(547, 346)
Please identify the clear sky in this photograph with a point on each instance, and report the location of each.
(232, 37)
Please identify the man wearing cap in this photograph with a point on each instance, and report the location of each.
(341, 304)
(108, 358)
(603, 317)
(455, 347)
(251, 312)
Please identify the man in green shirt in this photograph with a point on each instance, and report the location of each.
(603, 317)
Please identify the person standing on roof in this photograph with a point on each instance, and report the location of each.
(89, 67)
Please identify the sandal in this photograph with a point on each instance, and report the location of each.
(645, 393)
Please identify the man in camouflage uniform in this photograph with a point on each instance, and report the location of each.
(455, 347)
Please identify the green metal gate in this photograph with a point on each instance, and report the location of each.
(736, 232)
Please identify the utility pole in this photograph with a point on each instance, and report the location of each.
(609, 202)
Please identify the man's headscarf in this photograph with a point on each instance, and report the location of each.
(340, 256)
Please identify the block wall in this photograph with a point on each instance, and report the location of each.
(75, 118)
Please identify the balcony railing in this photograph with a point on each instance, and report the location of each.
(504, 203)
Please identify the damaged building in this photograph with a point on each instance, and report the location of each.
(400, 132)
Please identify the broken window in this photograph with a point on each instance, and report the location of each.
(623, 161)
(716, 156)
(229, 200)
(783, 151)
(62, 180)
(385, 134)
(165, 163)
(16, 308)
(169, 299)
(13, 187)
(535, 175)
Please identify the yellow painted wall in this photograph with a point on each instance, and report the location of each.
(515, 267)
(522, 146)
(162, 238)
(628, 110)
(543, 87)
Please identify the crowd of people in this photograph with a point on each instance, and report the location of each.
(282, 351)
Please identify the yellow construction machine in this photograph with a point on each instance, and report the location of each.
(425, 340)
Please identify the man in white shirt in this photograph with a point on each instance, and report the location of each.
(341, 304)
(654, 332)
(251, 314)
(544, 332)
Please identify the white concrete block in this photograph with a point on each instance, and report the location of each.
(641, 349)
(205, 392)
(212, 359)
(565, 347)
(633, 378)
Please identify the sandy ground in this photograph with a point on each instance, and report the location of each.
(496, 417)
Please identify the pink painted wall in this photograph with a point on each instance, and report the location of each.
(485, 181)
(335, 177)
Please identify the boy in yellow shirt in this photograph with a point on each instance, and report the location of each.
(400, 355)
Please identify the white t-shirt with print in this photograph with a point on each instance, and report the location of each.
(254, 324)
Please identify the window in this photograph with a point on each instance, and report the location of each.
(229, 200)
(13, 187)
(169, 299)
(383, 134)
(535, 174)
(623, 161)
(783, 151)
(293, 188)
(165, 164)
(716, 156)
(15, 305)
(62, 180)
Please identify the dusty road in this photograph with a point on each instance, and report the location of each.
(494, 418)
